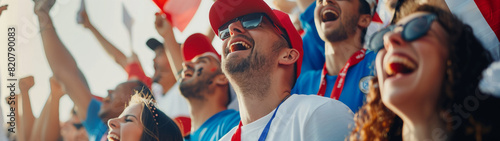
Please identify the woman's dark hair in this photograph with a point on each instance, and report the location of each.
(467, 59)
(157, 125)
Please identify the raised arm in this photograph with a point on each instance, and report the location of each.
(28, 119)
(112, 51)
(303, 4)
(2, 8)
(61, 61)
(172, 48)
(46, 126)
(210, 34)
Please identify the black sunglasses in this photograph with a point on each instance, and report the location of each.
(249, 21)
(78, 125)
(412, 30)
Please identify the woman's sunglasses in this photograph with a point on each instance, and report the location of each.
(412, 30)
(249, 21)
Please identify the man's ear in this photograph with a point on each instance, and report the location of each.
(220, 79)
(364, 20)
(288, 57)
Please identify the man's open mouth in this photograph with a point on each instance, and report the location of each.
(400, 64)
(188, 73)
(330, 15)
(239, 45)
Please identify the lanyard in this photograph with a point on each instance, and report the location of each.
(263, 136)
(339, 83)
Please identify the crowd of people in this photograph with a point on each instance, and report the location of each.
(342, 73)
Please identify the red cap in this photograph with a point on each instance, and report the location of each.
(223, 11)
(195, 45)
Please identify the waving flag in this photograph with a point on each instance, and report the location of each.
(129, 22)
(127, 19)
(179, 12)
(78, 16)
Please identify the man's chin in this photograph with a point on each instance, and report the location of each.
(236, 67)
(101, 115)
(156, 79)
(105, 116)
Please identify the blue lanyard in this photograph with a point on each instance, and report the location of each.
(263, 136)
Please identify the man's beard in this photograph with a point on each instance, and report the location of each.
(194, 89)
(344, 30)
(253, 72)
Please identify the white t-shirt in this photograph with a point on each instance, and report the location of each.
(302, 118)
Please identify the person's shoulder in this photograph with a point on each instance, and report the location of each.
(311, 109)
(309, 75)
(228, 117)
(229, 114)
(370, 54)
(312, 102)
(228, 135)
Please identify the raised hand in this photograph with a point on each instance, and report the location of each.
(162, 25)
(85, 19)
(285, 5)
(55, 88)
(26, 83)
(2, 8)
(133, 58)
(43, 6)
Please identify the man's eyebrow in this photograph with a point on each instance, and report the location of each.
(202, 58)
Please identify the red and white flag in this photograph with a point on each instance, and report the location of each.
(179, 12)
(484, 18)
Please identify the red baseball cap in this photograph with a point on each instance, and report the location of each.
(197, 44)
(223, 11)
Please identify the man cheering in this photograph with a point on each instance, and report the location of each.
(261, 58)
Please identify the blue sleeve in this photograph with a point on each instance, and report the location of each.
(308, 83)
(93, 124)
(232, 120)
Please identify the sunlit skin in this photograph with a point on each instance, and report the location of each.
(257, 37)
(70, 133)
(261, 41)
(163, 73)
(197, 66)
(205, 88)
(346, 22)
(114, 103)
(268, 68)
(198, 75)
(128, 126)
(340, 24)
(413, 96)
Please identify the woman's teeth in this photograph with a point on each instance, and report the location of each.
(398, 64)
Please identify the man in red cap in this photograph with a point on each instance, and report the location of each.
(261, 58)
(202, 84)
(207, 90)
